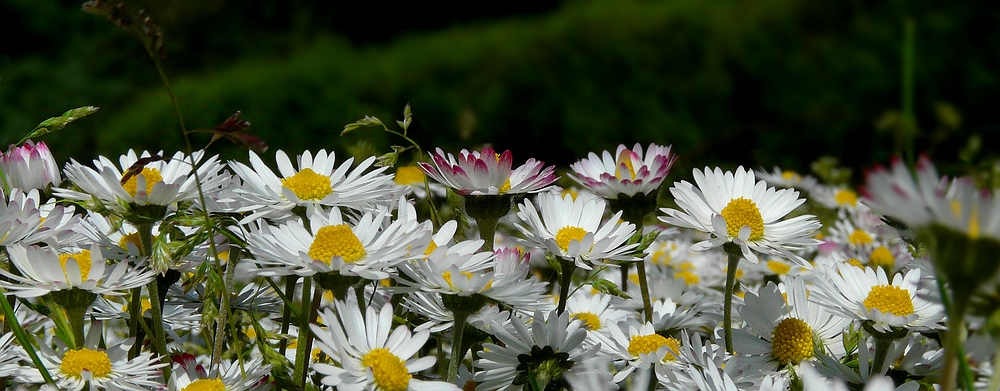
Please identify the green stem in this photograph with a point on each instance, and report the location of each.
(286, 314)
(954, 336)
(159, 335)
(302, 350)
(457, 332)
(135, 312)
(568, 267)
(487, 231)
(881, 350)
(224, 304)
(22, 337)
(77, 317)
(644, 290)
(734, 253)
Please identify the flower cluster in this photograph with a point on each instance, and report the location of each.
(186, 272)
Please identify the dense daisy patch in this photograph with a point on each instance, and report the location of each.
(186, 272)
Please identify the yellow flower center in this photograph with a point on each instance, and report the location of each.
(790, 176)
(689, 277)
(890, 299)
(791, 341)
(206, 385)
(740, 213)
(77, 360)
(389, 371)
(336, 241)
(506, 186)
(308, 185)
(590, 321)
(856, 263)
(881, 257)
(625, 158)
(846, 197)
(645, 344)
(859, 237)
(430, 248)
(152, 176)
(778, 267)
(82, 259)
(571, 192)
(568, 234)
(956, 207)
(409, 175)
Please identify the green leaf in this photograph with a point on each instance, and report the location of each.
(609, 288)
(55, 123)
(363, 123)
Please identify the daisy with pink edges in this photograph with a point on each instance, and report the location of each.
(629, 171)
(487, 172)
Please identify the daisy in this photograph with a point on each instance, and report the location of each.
(44, 270)
(366, 249)
(628, 172)
(413, 180)
(783, 332)
(140, 179)
(313, 181)
(543, 348)
(786, 179)
(596, 313)
(24, 219)
(10, 355)
(109, 368)
(736, 208)
(572, 229)
(868, 295)
(188, 375)
(844, 199)
(29, 166)
(368, 354)
(487, 172)
(638, 346)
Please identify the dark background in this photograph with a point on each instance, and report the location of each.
(727, 82)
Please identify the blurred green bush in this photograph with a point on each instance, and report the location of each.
(732, 82)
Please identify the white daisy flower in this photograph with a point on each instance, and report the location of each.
(596, 313)
(45, 270)
(551, 344)
(412, 179)
(369, 355)
(10, 354)
(487, 172)
(313, 181)
(638, 347)
(628, 172)
(786, 179)
(868, 295)
(734, 207)
(331, 245)
(29, 166)
(785, 331)
(572, 229)
(141, 179)
(844, 199)
(188, 375)
(108, 369)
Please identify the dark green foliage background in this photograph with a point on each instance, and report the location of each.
(727, 82)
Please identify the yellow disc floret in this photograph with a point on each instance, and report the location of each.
(82, 259)
(336, 241)
(859, 237)
(625, 160)
(590, 321)
(846, 197)
(778, 267)
(409, 175)
(77, 360)
(889, 299)
(152, 176)
(308, 185)
(645, 344)
(389, 371)
(791, 341)
(881, 257)
(568, 234)
(742, 212)
(206, 385)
